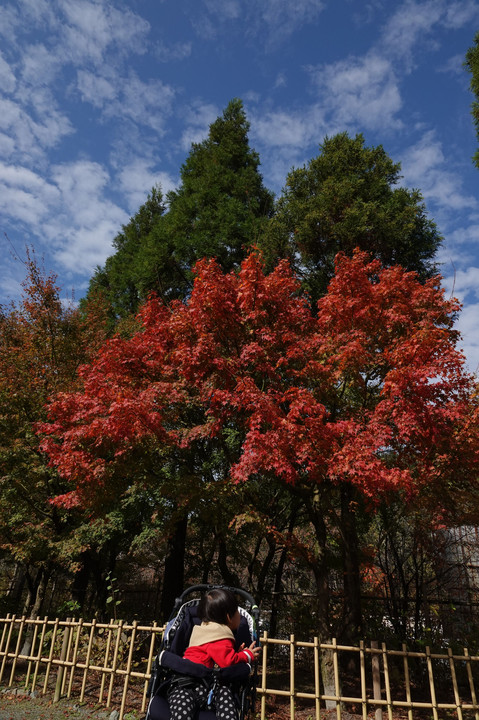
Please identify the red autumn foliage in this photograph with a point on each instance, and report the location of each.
(370, 390)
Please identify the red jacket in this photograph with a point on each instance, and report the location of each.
(212, 644)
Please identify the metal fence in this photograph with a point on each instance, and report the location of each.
(110, 663)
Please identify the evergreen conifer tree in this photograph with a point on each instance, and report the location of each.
(472, 64)
(219, 210)
(347, 197)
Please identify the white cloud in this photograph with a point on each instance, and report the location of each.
(454, 66)
(198, 118)
(25, 178)
(463, 235)
(281, 18)
(7, 145)
(413, 22)
(176, 51)
(353, 94)
(458, 14)
(283, 129)
(425, 166)
(273, 20)
(468, 326)
(93, 27)
(359, 92)
(285, 139)
(463, 283)
(96, 89)
(41, 12)
(40, 65)
(7, 77)
(410, 23)
(137, 179)
(86, 222)
(26, 197)
(224, 9)
(276, 13)
(30, 136)
(84, 248)
(144, 103)
(69, 211)
(9, 20)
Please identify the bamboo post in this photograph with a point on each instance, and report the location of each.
(32, 650)
(69, 649)
(454, 684)
(337, 687)
(50, 655)
(387, 683)
(63, 657)
(87, 660)
(264, 644)
(407, 681)
(4, 632)
(128, 669)
(75, 657)
(471, 682)
(378, 715)
(362, 669)
(292, 688)
(39, 654)
(430, 672)
(115, 661)
(151, 655)
(105, 662)
(7, 645)
(317, 683)
(17, 650)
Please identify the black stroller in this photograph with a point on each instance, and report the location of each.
(170, 662)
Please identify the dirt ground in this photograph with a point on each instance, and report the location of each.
(17, 706)
(23, 707)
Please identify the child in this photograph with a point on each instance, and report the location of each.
(212, 643)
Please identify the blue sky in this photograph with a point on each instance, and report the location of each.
(101, 99)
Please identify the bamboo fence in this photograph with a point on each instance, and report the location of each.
(110, 664)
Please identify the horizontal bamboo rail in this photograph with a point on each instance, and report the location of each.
(70, 657)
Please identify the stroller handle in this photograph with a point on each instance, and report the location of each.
(205, 587)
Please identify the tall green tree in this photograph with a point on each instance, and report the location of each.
(472, 64)
(119, 281)
(219, 210)
(221, 205)
(345, 198)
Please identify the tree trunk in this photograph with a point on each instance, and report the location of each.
(17, 584)
(278, 578)
(173, 577)
(321, 575)
(42, 579)
(278, 583)
(229, 577)
(265, 566)
(352, 612)
(81, 579)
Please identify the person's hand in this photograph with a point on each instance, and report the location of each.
(255, 651)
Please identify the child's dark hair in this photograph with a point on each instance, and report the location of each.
(216, 605)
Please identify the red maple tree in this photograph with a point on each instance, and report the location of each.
(369, 392)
